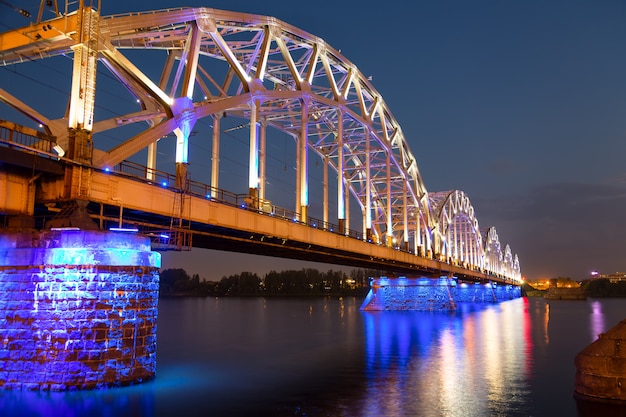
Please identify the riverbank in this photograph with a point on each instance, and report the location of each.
(357, 292)
(598, 288)
(565, 294)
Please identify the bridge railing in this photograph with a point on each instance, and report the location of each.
(165, 179)
(26, 138)
(245, 202)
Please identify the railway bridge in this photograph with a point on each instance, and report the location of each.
(170, 134)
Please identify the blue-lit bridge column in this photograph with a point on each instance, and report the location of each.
(442, 293)
(410, 294)
(78, 310)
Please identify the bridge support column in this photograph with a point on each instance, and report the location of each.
(490, 292)
(410, 294)
(601, 368)
(253, 198)
(304, 214)
(302, 165)
(181, 176)
(78, 310)
(442, 293)
(80, 145)
(342, 190)
(215, 154)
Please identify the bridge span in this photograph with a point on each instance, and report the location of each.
(207, 67)
(151, 146)
(216, 219)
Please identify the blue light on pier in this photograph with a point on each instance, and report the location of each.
(78, 310)
(421, 293)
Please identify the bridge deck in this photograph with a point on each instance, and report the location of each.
(202, 217)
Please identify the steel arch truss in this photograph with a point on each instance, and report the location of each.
(496, 260)
(458, 238)
(275, 75)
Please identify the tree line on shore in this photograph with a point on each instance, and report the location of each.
(595, 288)
(304, 282)
(311, 282)
(604, 288)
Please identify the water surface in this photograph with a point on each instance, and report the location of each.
(324, 357)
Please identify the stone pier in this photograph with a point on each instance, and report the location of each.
(601, 368)
(78, 309)
(409, 294)
(432, 293)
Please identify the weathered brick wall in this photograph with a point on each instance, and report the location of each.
(432, 294)
(73, 326)
(485, 293)
(408, 294)
(601, 368)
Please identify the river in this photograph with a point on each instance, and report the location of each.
(324, 357)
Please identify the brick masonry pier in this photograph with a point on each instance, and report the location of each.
(432, 293)
(601, 368)
(78, 309)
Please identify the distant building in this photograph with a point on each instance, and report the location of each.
(615, 277)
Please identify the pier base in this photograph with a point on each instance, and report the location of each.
(601, 368)
(409, 294)
(490, 292)
(432, 293)
(78, 310)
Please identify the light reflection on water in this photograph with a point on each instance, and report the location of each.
(597, 320)
(135, 400)
(324, 357)
(468, 363)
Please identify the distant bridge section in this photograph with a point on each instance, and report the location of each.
(188, 69)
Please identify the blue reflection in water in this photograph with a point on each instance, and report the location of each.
(393, 337)
(467, 362)
(135, 400)
(324, 357)
(179, 384)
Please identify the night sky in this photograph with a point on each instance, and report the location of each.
(522, 105)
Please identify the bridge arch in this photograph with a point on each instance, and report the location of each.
(215, 64)
(493, 252)
(278, 76)
(498, 261)
(458, 235)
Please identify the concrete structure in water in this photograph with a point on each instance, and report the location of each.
(78, 309)
(601, 368)
(432, 293)
(555, 293)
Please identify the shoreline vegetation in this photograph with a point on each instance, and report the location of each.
(291, 283)
(309, 282)
(593, 288)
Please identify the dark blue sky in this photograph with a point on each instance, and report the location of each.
(522, 105)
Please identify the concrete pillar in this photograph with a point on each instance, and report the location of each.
(78, 309)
